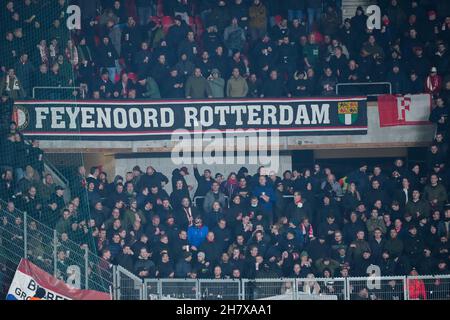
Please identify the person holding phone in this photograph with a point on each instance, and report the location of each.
(266, 196)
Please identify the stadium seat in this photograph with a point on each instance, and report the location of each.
(132, 76)
(155, 19)
(160, 8)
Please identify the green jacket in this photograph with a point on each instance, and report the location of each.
(197, 88)
(437, 192)
(374, 223)
(237, 88)
(320, 266)
(45, 190)
(361, 246)
(217, 87)
(130, 218)
(157, 37)
(63, 226)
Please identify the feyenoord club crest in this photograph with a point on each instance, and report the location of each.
(21, 116)
(348, 112)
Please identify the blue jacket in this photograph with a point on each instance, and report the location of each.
(267, 206)
(196, 236)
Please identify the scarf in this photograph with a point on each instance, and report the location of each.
(12, 84)
(309, 231)
(189, 216)
(53, 51)
(85, 53)
(432, 83)
(231, 185)
(43, 53)
(72, 55)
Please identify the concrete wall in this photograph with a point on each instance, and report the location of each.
(360, 153)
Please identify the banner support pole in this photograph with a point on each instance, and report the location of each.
(86, 268)
(55, 254)
(25, 235)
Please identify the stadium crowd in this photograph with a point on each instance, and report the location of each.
(243, 225)
(213, 49)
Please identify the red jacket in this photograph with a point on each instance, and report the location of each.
(433, 84)
(417, 289)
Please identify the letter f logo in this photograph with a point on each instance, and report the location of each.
(403, 105)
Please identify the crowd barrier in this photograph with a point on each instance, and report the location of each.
(369, 89)
(46, 92)
(351, 288)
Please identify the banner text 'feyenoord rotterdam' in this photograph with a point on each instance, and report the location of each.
(133, 120)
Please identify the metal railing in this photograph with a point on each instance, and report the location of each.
(269, 289)
(435, 287)
(220, 289)
(377, 288)
(129, 286)
(38, 88)
(58, 177)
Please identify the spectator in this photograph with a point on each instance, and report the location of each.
(237, 86)
(197, 87)
(439, 115)
(108, 58)
(234, 37)
(433, 82)
(328, 82)
(416, 287)
(397, 79)
(189, 47)
(217, 84)
(258, 20)
(273, 87)
(151, 90)
(212, 196)
(197, 234)
(11, 86)
(173, 87)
